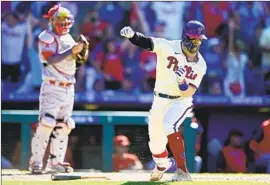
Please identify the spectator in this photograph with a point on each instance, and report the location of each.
(261, 147)
(215, 73)
(233, 23)
(148, 66)
(13, 35)
(254, 80)
(92, 26)
(132, 72)
(122, 160)
(266, 17)
(232, 158)
(265, 46)
(37, 7)
(214, 13)
(194, 11)
(254, 50)
(236, 62)
(147, 16)
(249, 14)
(111, 13)
(33, 79)
(111, 64)
(172, 14)
(5, 7)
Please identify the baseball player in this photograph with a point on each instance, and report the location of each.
(179, 72)
(59, 54)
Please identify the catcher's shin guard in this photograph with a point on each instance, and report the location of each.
(59, 141)
(58, 148)
(40, 140)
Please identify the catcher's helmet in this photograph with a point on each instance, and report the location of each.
(193, 30)
(60, 18)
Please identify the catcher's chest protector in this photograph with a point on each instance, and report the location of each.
(68, 66)
(60, 44)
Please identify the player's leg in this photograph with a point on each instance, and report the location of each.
(173, 118)
(59, 139)
(47, 111)
(158, 140)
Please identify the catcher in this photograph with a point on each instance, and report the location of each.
(60, 55)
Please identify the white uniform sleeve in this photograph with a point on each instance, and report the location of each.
(48, 45)
(158, 44)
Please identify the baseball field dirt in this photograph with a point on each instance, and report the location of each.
(16, 177)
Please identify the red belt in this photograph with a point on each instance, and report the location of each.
(61, 84)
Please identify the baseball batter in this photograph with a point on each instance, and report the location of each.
(179, 72)
(58, 52)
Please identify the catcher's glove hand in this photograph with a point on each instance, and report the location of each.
(83, 55)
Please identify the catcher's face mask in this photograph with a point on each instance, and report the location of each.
(61, 19)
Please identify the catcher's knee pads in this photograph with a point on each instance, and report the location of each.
(65, 127)
(47, 120)
(46, 125)
(41, 137)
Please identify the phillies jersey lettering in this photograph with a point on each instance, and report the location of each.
(174, 62)
(169, 58)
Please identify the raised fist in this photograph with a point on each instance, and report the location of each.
(127, 32)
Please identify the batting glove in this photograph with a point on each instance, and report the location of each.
(127, 32)
(181, 73)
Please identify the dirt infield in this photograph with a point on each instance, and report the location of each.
(17, 175)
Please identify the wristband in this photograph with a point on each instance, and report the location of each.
(183, 87)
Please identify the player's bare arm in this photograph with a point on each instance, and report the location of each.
(137, 38)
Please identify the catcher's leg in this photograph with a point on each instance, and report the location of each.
(157, 144)
(59, 140)
(172, 121)
(40, 141)
(49, 105)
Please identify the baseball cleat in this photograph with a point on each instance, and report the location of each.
(35, 168)
(58, 168)
(157, 174)
(181, 176)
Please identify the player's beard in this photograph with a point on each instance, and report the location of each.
(191, 52)
(194, 50)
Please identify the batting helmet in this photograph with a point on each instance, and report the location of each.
(193, 30)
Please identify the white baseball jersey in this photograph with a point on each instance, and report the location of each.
(50, 44)
(169, 58)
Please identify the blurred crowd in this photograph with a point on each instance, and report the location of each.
(237, 51)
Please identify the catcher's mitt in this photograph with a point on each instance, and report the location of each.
(83, 55)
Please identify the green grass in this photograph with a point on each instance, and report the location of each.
(83, 182)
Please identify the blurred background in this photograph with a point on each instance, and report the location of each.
(232, 105)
